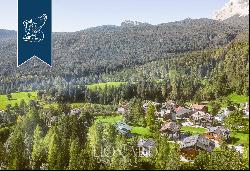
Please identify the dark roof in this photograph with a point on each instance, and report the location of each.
(202, 115)
(75, 111)
(183, 111)
(219, 130)
(146, 143)
(122, 127)
(171, 126)
(199, 141)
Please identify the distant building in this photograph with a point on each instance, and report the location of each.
(171, 103)
(191, 146)
(121, 110)
(219, 117)
(52, 121)
(75, 112)
(146, 146)
(145, 106)
(171, 130)
(202, 119)
(218, 133)
(123, 107)
(183, 113)
(155, 104)
(123, 128)
(166, 114)
(246, 109)
(197, 107)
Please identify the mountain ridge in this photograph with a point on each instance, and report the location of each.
(232, 8)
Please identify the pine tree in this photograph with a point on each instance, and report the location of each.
(74, 155)
(17, 157)
(54, 153)
(150, 116)
(38, 151)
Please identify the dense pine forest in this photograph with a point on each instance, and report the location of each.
(67, 124)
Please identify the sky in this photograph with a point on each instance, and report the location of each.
(75, 15)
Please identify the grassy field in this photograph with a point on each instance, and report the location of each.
(16, 98)
(141, 131)
(109, 119)
(73, 105)
(238, 98)
(235, 98)
(239, 138)
(193, 130)
(102, 85)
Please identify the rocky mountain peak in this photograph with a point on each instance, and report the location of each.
(232, 8)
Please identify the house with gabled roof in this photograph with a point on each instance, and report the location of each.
(246, 109)
(145, 146)
(183, 113)
(202, 119)
(198, 107)
(166, 114)
(123, 128)
(191, 146)
(52, 120)
(171, 130)
(123, 107)
(75, 111)
(218, 133)
(121, 110)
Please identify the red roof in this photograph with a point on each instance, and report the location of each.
(178, 109)
(198, 107)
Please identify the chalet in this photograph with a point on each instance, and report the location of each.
(155, 104)
(182, 113)
(191, 146)
(166, 114)
(52, 121)
(202, 119)
(121, 110)
(170, 129)
(123, 128)
(171, 103)
(218, 133)
(75, 112)
(145, 147)
(246, 109)
(239, 148)
(226, 111)
(123, 107)
(197, 107)
(145, 106)
(222, 114)
(219, 117)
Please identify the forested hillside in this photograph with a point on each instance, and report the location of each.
(59, 119)
(86, 55)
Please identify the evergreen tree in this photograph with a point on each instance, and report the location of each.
(38, 152)
(74, 155)
(150, 116)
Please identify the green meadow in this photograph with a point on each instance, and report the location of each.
(193, 130)
(16, 98)
(103, 85)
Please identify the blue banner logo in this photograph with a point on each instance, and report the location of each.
(34, 30)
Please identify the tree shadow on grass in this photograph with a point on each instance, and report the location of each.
(233, 140)
(12, 99)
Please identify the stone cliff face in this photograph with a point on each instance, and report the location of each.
(232, 8)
